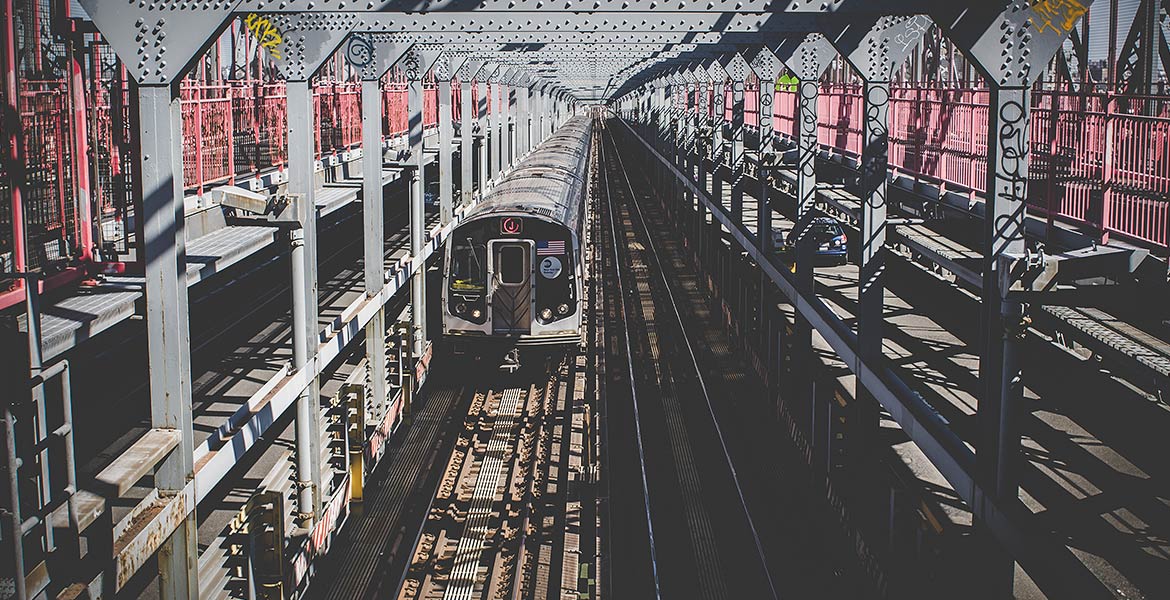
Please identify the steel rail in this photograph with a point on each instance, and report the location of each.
(698, 374)
(433, 493)
(596, 344)
(630, 367)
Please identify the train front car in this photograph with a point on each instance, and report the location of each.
(513, 270)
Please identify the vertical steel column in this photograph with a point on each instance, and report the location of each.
(690, 151)
(1004, 324)
(702, 162)
(525, 120)
(540, 116)
(485, 130)
(505, 128)
(497, 129)
(555, 108)
(714, 230)
(659, 111)
(670, 149)
(546, 113)
(373, 241)
(682, 160)
(717, 143)
(519, 119)
(543, 128)
(303, 244)
(766, 66)
(662, 121)
(804, 381)
(806, 116)
(164, 253)
(446, 136)
(661, 131)
(765, 156)
(418, 292)
(1009, 51)
(871, 302)
(738, 156)
(510, 128)
(466, 143)
(875, 53)
(535, 136)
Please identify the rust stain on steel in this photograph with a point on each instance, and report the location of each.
(148, 530)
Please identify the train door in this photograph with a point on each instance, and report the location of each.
(511, 283)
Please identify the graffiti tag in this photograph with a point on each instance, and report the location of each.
(787, 83)
(359, 51)
(1058, 15)
(265, 33)
(916, 27)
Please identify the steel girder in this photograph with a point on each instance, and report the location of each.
(587, 6)
(163, 50)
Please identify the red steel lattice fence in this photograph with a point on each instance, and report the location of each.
(1097, 159)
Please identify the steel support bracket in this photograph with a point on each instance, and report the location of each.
(372, 55)
(158, 42)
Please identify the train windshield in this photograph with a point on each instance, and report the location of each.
(469, 265)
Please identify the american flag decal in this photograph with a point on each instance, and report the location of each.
(550, 247)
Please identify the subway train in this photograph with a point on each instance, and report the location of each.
(512, 274)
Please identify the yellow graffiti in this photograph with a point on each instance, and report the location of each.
(1058, 15)
(265, 33)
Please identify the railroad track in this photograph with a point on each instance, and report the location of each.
(701, 536)
(496, 517)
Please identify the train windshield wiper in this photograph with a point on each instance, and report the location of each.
(475, 258)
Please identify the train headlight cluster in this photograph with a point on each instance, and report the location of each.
(468, 307)
(546, 314)
(563, 309)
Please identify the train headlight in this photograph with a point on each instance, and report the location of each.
(546, 314)
(563, 309)
(460, 308)
(476, 313)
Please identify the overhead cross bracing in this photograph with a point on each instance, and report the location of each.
(645, 60)
(523, 23)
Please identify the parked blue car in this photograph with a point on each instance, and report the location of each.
(829, 237)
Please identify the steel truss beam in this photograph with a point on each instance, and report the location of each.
(843, 7)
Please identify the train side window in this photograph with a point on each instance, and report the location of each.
(512, 264)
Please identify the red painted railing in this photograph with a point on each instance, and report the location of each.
(243, 130)
(50, 212)
(1097, 159)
